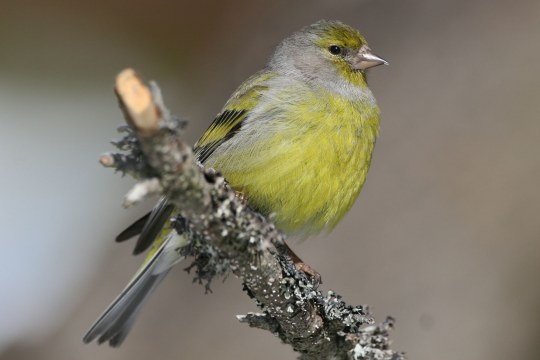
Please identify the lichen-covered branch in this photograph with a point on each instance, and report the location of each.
(227, 236)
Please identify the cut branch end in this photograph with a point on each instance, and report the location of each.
(136, 99)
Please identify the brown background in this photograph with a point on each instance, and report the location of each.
(444, 237)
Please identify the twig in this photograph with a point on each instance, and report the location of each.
(230, 237)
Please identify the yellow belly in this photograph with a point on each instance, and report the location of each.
(311, 171)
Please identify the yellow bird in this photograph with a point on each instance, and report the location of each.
(296, 139)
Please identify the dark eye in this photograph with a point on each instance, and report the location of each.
(335, 50)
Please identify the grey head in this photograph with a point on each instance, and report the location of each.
(325, 52)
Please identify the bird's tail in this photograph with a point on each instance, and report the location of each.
(114, 324)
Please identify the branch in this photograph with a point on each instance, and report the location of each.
(227, 236)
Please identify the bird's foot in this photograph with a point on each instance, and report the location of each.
(302, 266)
(309, 271)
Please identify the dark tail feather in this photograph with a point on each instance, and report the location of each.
(118, 330)
(114, 324)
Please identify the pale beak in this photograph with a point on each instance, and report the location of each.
(365, 59)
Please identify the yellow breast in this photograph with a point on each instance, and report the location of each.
(311, 166)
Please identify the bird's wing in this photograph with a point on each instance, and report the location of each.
(225, 125)
(229, 121)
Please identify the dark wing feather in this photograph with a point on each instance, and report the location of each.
(148, 226)
(225, 126)
(229, 122)
(158, 216)
(133, 229)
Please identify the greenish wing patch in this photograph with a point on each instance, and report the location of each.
(225, 126)
(236, 110)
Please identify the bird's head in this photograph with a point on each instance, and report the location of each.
(326, 51)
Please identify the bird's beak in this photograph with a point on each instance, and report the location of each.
(365, 59)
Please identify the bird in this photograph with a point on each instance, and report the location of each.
(295, 139)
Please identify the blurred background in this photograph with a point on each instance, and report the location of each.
(445, 236)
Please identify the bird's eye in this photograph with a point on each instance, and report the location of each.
(335, 50)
